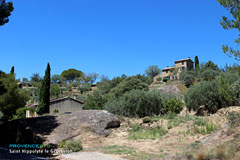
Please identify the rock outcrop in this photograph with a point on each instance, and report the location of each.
(54, 129)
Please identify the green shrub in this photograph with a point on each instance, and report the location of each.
(173, 105)
(21, 112)
(137, 103)
(187, 77)
(55, 91)
(209, 74)
(204, 93)
(159, 79)
(55, 111)
(85, 87)
(128, 84)
(62, 144)
(235, 87)
(95, 100)
(147, 120)
(74, 146)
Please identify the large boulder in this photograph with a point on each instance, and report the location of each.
(54, 129)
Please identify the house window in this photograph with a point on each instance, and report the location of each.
(173, 77)
(166, 71)
(183, 68)
(182, 63)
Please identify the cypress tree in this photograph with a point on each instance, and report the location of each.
(12, 70)
(44, 96)
(196, 63)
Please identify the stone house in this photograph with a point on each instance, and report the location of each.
(172, 73)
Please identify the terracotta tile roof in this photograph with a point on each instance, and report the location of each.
(168, 68)
(181, 60)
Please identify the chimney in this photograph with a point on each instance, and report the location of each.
(167, 66)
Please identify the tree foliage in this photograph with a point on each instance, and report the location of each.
(196, 63)
(44, 97)
(106, 85)
(95, 100)
(72, 74)
(187, 77)
(36, 77)
(203, 93)
(233, 6)
(92, 77)
(140, 103)
(11, 97)
(173, 105)
(210, 65)
(12, 70)
(5, 12)
(209, 74)
(85, 87)
(152, 71)
(128, 84)
(55, 91)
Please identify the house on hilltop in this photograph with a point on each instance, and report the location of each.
(172, 73)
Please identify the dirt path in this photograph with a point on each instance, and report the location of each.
(90, 156)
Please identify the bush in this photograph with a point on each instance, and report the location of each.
(128, 84)
(209, 74)
(204, 93)
(74, 146)
(187, 78)
(139, 103)
(85, 87)
(95, 101)
(136, 103)
(173, 105)
(159, 79)
(236, 92)
(55, 91)
(21, 112)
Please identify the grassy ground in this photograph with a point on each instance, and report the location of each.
(130, 153)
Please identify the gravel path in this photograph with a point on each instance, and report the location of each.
(90, 156)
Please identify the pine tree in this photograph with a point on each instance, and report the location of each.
(196, 63)
(5, 11)
(44, 97)
(231, 22)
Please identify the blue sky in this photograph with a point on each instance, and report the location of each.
(111, 37)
